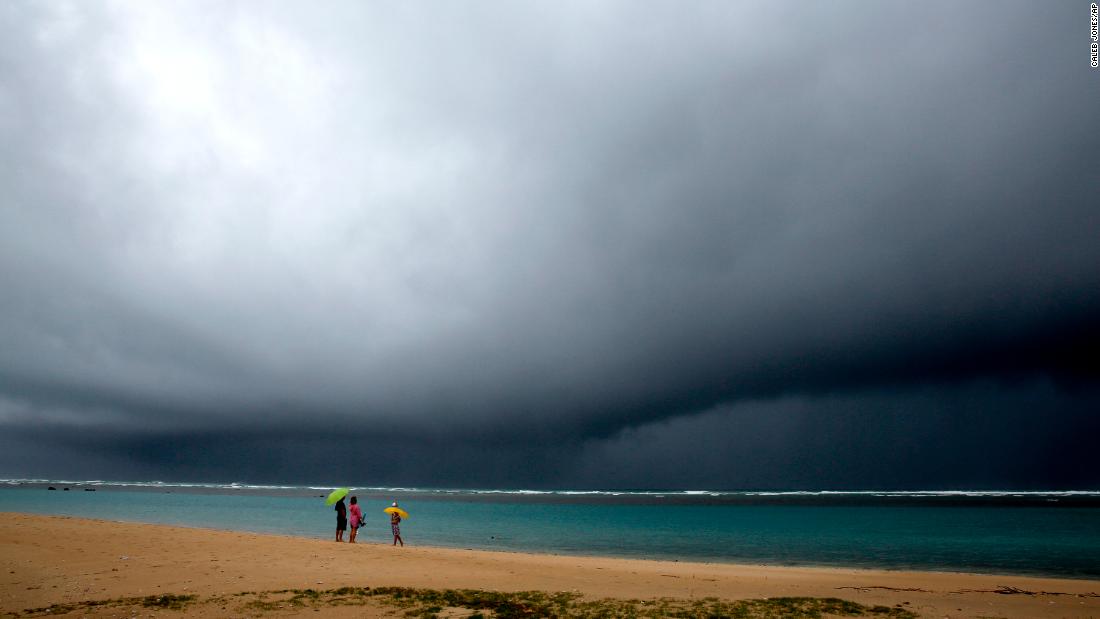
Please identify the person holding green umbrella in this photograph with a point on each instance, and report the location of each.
(337, 498)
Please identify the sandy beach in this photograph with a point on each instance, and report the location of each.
(58, 561)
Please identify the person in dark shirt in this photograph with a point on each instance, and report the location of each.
(341, 520)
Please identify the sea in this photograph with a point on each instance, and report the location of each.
(1048, 533)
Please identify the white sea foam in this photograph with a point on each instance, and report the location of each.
(238, 485)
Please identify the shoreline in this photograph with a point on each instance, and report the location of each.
(507, 551)
(1016, 549)
(61, 560)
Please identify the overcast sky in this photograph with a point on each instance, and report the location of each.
(610, 244)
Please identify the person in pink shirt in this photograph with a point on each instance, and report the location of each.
(356, 518)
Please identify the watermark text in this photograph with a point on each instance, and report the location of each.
(1094, 14)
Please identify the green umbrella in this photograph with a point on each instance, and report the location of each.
(336, 495)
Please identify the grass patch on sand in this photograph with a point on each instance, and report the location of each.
(300, 598)
(168, 601)
(474, 603)
(428, 603)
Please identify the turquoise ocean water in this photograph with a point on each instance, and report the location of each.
(1047, 533)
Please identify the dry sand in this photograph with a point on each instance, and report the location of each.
(54, 560)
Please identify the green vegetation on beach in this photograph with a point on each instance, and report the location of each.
(169, 601)
(427, 603)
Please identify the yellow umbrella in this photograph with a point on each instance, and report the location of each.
(397, 510)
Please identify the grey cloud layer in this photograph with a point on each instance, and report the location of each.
(545, 223)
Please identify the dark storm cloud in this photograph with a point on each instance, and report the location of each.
(540, 229)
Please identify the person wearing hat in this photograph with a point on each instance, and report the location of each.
(395, 526)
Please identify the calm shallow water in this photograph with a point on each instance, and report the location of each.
(982, 533)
